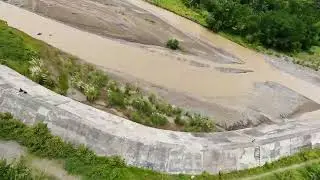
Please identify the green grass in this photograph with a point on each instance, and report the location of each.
(18, 50)
(178, 7)
(311, 172)
(309, 59)
(80, 161)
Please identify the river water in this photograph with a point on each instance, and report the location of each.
(157, 65)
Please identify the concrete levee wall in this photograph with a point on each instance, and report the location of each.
(160, 150)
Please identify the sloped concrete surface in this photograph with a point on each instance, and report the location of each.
(160, 150)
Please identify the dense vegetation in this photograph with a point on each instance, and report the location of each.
(286, 25)
(59, 72)
(79, 160)
(289, 26)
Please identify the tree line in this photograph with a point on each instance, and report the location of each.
(285, 25)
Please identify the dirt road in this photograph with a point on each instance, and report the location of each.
(281, 170)
(213, 75)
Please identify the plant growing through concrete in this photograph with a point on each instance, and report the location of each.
(173, 44)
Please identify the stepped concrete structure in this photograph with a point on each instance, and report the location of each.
(160, 150)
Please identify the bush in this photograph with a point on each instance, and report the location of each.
(97, 78)
(113, 86)
(165, 108)
(173, 44)
(142, 106)
(136, 117)
(179, 121)
(40, 74)
(91, 92)
(158, 119)
(199, 124)
(115, 98)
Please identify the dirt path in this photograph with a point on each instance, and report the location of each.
(51, 168)
(237, 95)
(280, 170)
(11, 151)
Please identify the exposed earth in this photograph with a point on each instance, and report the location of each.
(236, 86)
(12, 151)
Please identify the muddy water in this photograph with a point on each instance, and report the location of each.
(252, 60)
(156, 65)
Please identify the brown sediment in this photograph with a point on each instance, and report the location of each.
(194, 83)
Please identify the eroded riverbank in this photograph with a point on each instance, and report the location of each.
(187, 79)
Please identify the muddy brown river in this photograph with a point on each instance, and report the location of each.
(238, 91)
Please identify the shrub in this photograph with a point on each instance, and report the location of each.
(179, 121)
(97, 78)
(165, 108)
(115, 98)
(91, 92)
(199, 124)
(158, 119)
(113, 86)
(40, 74)
(142, 106)
(137, 117)
(173, 44)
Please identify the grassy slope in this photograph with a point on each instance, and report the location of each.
(310, 59)
(78, 160)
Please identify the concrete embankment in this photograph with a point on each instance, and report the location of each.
(160, 150)
(214, 87)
